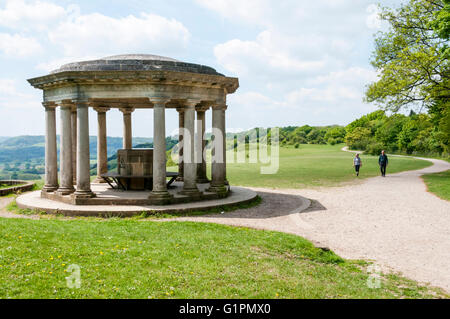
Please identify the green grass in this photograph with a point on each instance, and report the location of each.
(136, 259)
(439, 184)
(315, 165)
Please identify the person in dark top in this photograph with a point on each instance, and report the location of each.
(383, 162)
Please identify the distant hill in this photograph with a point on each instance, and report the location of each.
(3, 138)
(19, 149)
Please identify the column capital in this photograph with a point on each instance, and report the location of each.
(202, 108)
(126, 110)
(220, 106)
(101, 109)
(191, 103)
(49, 105)
(66, 104)
(159, 101)
(80, 102)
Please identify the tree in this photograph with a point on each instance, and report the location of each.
(442, 27)
(415, 134)
(409, 57)
(335, 135)
(387, 133)
(366, 121)
(359, 138)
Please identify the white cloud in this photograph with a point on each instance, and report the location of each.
(250, 11)
(270, 53)
(7, 87)
(99, 34)
(13, 98)
(19, 46)
(32, 15)
(351, 76)
(373, 19)
(326, 99)
(307, 64)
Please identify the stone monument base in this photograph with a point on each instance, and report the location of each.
(109, 202)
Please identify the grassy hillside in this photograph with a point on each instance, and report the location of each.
(314, 165)
(136, 259)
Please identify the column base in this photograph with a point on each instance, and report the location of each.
(83, 194)
(50, 188)
(202, 180)
(99, 180)
(220, 190)
(160, 198)
(193, 193)
(62, 191)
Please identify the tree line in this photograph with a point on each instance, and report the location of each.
(397, 133)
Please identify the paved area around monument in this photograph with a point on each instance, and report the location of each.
(33, 200)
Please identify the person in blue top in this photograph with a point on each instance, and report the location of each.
(357, 163)
(383, 162)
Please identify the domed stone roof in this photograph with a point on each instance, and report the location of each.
(136, 62)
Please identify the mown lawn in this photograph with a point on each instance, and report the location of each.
(314, 165)
(439, 184)
(143, 259)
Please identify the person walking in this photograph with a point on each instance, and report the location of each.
(357, 163)
(383, 162)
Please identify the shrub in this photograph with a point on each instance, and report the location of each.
(375, 148)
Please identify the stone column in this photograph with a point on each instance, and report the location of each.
(159, 195)
(180, 144)
(74, 144)
(218, 165)
(190, 165)
(127, 130)
(83, 158)
(200, 147)
(51, 162)
(65, 149)
(102, 148)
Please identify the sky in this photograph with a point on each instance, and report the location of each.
(298, 61)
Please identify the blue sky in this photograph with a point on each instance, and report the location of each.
(298, 62)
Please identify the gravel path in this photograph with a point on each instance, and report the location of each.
(4, 201)
(393, 221)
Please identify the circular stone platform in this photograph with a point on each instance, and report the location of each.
(34, 201)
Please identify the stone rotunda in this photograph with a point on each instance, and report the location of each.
(127, 83)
